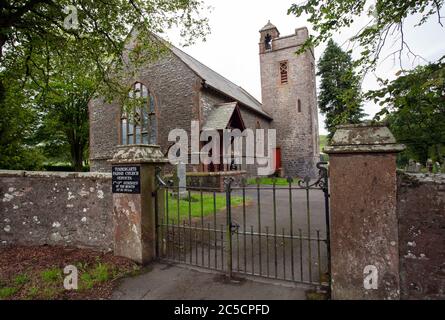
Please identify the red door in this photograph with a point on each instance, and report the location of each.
(277, 159)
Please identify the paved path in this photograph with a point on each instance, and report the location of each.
(170, 282)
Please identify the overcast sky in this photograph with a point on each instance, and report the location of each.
(232, 47)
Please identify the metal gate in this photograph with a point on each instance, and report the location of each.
(273, 231)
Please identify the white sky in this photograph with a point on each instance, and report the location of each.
(232, 47)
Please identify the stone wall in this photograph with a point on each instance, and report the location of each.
(297, 132)
(73, 209)
(363, 224)
(421, 215)
(175, 90)
(179, 99)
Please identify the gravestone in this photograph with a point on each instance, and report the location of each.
(411, 167)
(436, 168)
(181, 175)
(418, 167)
(429, 165)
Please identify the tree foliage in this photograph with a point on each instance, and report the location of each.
(96, 30)
(384, 18)
(414, 103)
(64, 121)
(17, 126)
(416, 110)
(340, 97)
(58, 53)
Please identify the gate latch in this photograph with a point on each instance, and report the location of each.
(234, 227)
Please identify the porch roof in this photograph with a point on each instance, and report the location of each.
(219, 118)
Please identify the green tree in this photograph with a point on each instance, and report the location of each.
(416, 110)
(414, 102)
(17, 126)
(31, 30)
(64, 127)
(382, 20)
(41, 39)
(340, 97)
(100, 27)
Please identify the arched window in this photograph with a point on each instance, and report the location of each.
(268, 42)
(139, 123)
(257, 125)
(299, 105)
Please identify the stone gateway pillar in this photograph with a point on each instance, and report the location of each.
(134, 193)
(364, 232)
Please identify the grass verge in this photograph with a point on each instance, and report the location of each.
(197, 205)
(269, 181)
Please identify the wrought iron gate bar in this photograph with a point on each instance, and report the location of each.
(244, 229)
(308, 214)
(277, 247)
(270, 187)
(259, 226)
(187, 227)
(197, 189)
(291, 230)
(263, 234)
(274, 197)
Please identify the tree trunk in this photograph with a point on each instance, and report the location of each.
(76, 146)
(77, 156)
(77, 160)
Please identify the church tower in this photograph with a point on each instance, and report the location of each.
(288, 91)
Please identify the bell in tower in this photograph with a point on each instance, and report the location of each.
(268, 33)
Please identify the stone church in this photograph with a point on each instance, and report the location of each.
(179, 89)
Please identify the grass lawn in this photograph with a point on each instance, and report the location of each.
(323, 142)
(208, 205)
(269, 181)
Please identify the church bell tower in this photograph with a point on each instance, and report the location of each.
(288, 91)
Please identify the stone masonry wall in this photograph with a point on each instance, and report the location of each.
(421, 215)
(67, 209)
(250, 121)
(297, 132)
(175, 89)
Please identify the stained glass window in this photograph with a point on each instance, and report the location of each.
(139, 124)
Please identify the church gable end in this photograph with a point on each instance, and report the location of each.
(176, 93)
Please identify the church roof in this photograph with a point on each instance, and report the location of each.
(221, 84)
(220, 117)
(268, 26)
